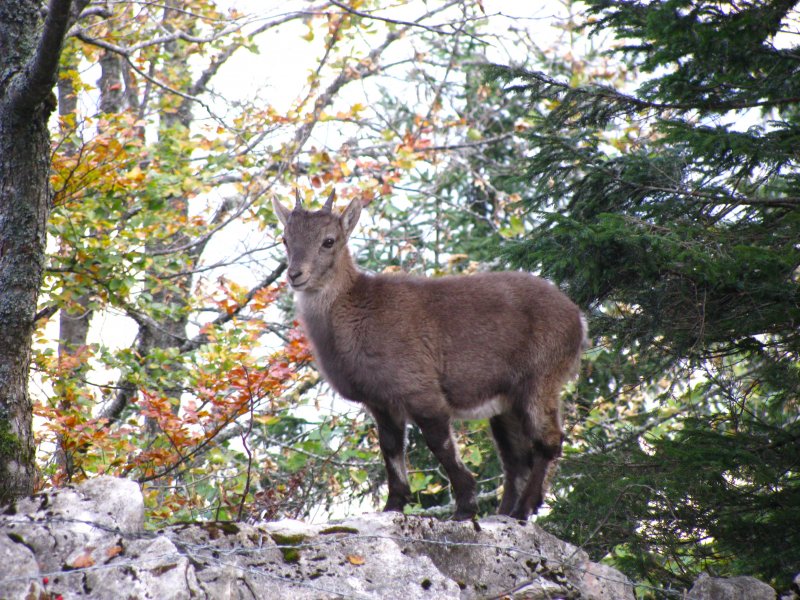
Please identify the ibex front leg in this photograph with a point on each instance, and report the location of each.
(392, 440)
(438, 434)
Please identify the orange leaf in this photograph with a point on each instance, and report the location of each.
(82, 560)
(355, 559)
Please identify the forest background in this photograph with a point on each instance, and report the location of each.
(643, 155)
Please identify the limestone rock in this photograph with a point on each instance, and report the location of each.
(794, 592)
(88, 541)
(19, 569)
(730, 588)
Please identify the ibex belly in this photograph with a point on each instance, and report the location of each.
(493, 406)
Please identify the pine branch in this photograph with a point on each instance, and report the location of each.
(598, 103)
(710, 197)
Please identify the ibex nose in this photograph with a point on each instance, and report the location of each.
(295, 275)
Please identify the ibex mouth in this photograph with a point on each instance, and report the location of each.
(298, 285)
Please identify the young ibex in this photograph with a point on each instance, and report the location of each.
(491, 345)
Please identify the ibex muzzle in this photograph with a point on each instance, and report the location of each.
(492, 345)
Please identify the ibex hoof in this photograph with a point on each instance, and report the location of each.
(464, 515)
(392, 506)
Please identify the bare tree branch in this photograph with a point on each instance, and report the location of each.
(126, 390)
(369, 15)
(228, 316)
(33, 87)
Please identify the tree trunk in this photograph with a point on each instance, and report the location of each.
(24, 208)
(28, 64)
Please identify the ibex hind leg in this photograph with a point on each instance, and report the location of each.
(516, 454)
(532, 496)
(392, 441)
(542, 422)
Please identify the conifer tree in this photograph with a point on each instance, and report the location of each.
(671, 212)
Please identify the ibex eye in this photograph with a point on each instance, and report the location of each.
(328, 242)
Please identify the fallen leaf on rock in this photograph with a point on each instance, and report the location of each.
(355, 559)
(82, 560)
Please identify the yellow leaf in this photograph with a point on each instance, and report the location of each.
(355, 559)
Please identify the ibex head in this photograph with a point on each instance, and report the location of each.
(315, 241)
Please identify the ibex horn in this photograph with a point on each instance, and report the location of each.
(298, 203)
(329, 203)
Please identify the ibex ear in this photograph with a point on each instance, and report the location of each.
(350, 216)
(280, 210)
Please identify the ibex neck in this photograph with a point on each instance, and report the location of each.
(317, 302)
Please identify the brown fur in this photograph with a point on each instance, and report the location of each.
(491, 345)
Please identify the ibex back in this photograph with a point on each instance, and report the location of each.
(492, 345)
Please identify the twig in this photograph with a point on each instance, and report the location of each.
(374, 17)
(245, 435)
